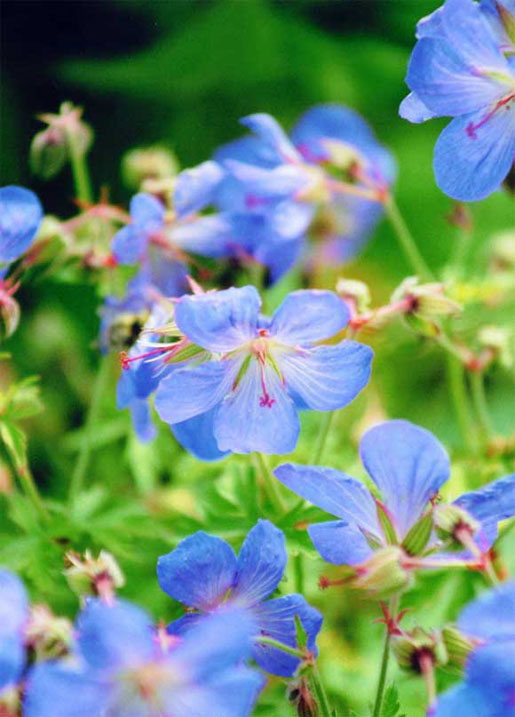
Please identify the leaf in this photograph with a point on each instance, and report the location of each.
(15, 442)
(391, 705)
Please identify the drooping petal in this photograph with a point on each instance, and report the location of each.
(261, 564)
(208, 236)
(195, 188)
(129, 245)
(189, 391)
(471, 159)
(339, 542)
(414, 110)
(147, 213)
(491, 615)
(334, 492)
(254, 418)
(408, 465)
(270, 132)
(199, 571)
(196, 435)
(20, 217)
(220, 321)
(309, 315)
(142, 420)
(327, 377)
(492, 503)
(276, 618)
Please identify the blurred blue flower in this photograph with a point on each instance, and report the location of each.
(122, 669)
(261, 370)
(204, 573)
(20, 217)
(14, 610)
(408, 465)
(488, 689)
(458, 69)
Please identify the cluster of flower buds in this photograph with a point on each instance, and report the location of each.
(99, 576)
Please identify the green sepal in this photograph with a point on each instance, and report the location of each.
(416, 540)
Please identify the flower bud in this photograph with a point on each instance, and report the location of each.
(148, 163)
(300, 696)
(449, 520)
(417, 537)
(355, 291)
(94, 576)
(47, 635)
(50, 148)
(458, 646)
(383, 574)
(425, 301)
(412, 646)
(503, 252)
(9, 313)
(498, 340)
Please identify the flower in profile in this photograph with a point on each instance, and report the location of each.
(20, 216)
(408, 466)
(14, 612)
(488, 688)
(122, 668)
(204, 573)
(458, 69)
(261, 370)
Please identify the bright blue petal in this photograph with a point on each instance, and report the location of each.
(191, 391)
(12, 658)
(463, 700)
(183, 625)
(196, 435)
(14, 603)
(340, 543)
(250, 150)
(471, 164)
(408, 465)
(493, 502)
(199, 571)
(270, 132)
(327, 377)
(431, 25)
(220, 321)
(491, 670)
(248, 420)
(129, 245)
(116, 636)
(20, 217)
(236, 691)
(276, 618)
(289, 219)
(306, 316)
(279, 255)
(163, 272)
(261, 564)
(467, 29)
(492, 615)
(195, 188)
(283, 181)
(142, 420)
(147, 213)
(330, 121)
(414, 110)
(499, 13)
(208, 236)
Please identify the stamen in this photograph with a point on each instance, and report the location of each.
(266, 399)
(126, 360)
(471, 128)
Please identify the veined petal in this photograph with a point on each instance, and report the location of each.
(334, 492)
(276, 618)
(220, 321)
(258, 418)
(327, 377)
(129, 245)
(195, 188)
(414, 110)
(199, 571)
(499, 13)
(261, 564)
(493, 502)
(472, 159)
(408, 465)
(20, 217)
(431, 25)
(196, 435)
(272, 134)
(192, 390)
(147, 213)
(467, 29)
(490, 616)
(308, 316)
(209, 236)
(340, 543)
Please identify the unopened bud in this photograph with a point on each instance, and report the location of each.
(503, 252)
(418, 536)
(425, 301)
(9, 314)
(413, 647)
(47, 635)
(153, 163)
(48, 152)
(450, 521)
(355, 291)
(94, 576)
(458, 646)
(383, 574)
(300, 696)
(498, 340)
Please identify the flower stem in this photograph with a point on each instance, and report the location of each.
(270, 484)
(428, 670)
(392, 609)
(79, 167)
(323, 433)
(477, 388)
(460, 400)
(319, 690)
(406, 241)
(32, 492)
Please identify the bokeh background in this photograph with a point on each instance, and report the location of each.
(181, 74)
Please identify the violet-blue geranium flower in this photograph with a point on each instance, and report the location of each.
(20, 217)
(121, 668)
(14, 610)
(408, 466)
(204, 573)
(261, 371)
(488, 688)
(458, 69)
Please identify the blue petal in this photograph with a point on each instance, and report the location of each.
(163, 272)
(209, 236)
(492, 615)
(183, 625)
(276, 619)
(236, 691)
(20, 217)
(261, 564)
(289, 219)
(492, 503)
(414, 110)
(196, 435)
(499, 13)
(250, 150)
(431, 25)
(147, 213)
(408, 465)
(279, 255)
(467, 29)
(12, 658)
(247, 422)
(308, 316)
(142, 420)
(14, 603)
(468, 167)
(116, 636)
(340, 543)
(220, 321)
(282, 181)
(327, 377)
(199, 571)
(270, 132)
(190, 391)
(195, 188)
(334, 492)
(129, 245)
(463, 700)
(491, 670)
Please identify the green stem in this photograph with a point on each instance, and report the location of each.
(79, 167)
(81, 466)
(298, 567)
(392, 609)
(406, 241)
(460, 400)
(323, 433)
(460, 255)
(477, 388)
(264, 640)
(319, 690)
(32, 492)
(270, 483)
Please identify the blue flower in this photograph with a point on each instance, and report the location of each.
(122, 669)
(262, 371)
(14, 609)
(204, 573)
(488, 689)
(408, 466)
(458, 69)
(20, 217)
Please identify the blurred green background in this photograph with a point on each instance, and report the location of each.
(182, 73)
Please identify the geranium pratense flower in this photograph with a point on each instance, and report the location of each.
(458, 69)
(204, 573)
(408, 465)
(123, 669)
(20, 217)
(488, 689)
(261, 370)
(14, 612)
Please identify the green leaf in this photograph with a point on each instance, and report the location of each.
(391, 705)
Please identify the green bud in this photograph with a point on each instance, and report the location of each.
(9, 313)
(448, 519)
(425, 301)
(93, 576)
(458, 646)
(409, 648)
(148, 163)
(301, 698)
(48, 152)
(383, 574)
(49, 636)
(417, 538)
(499, 340)
(503, 252)
(356, 291)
